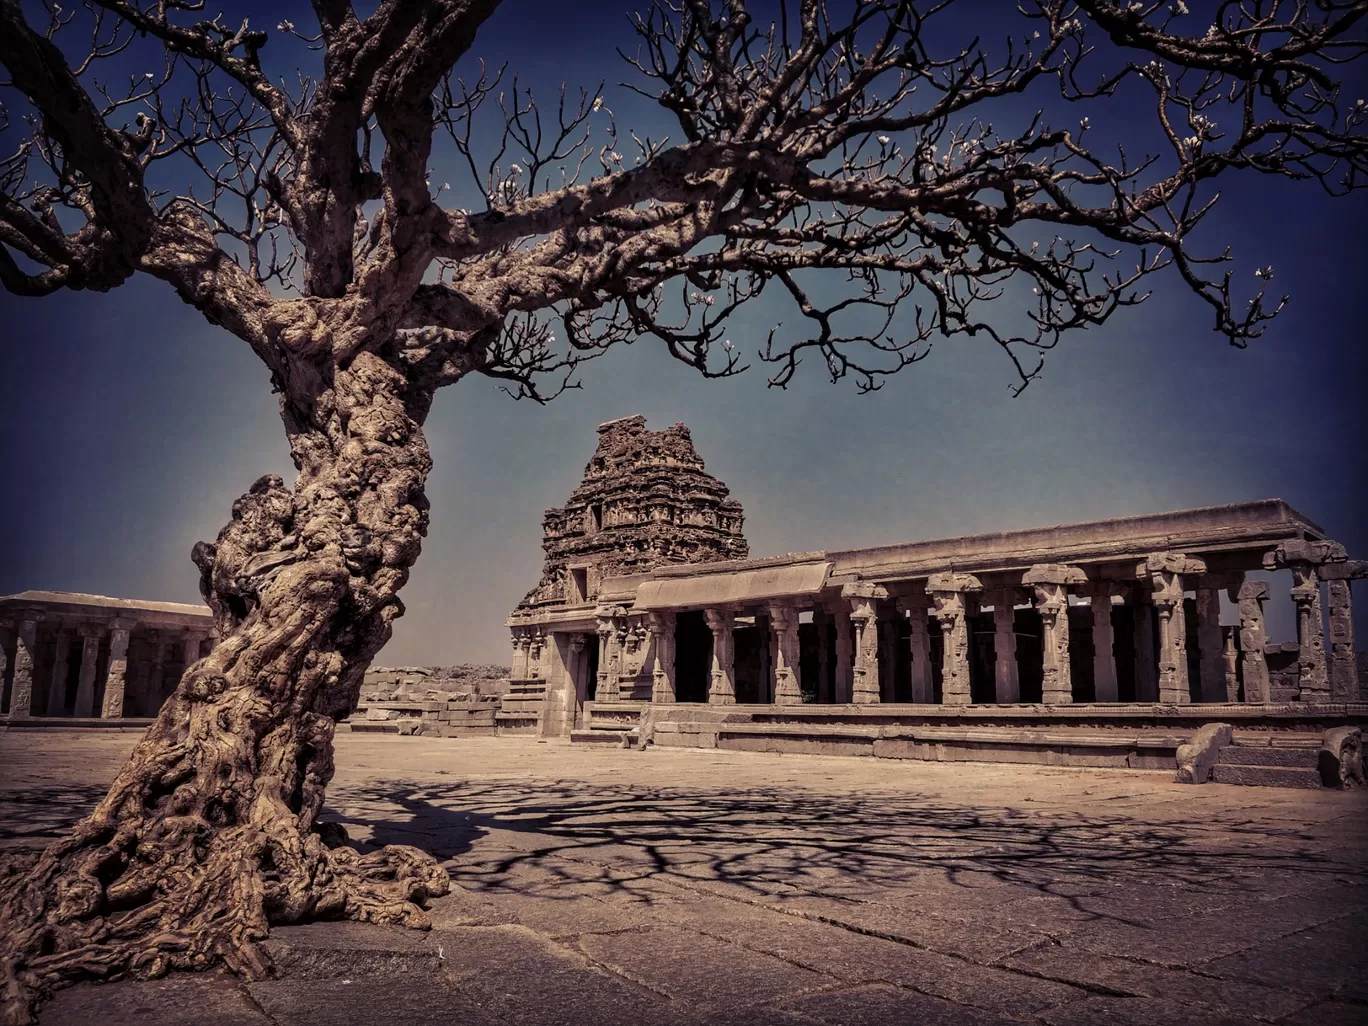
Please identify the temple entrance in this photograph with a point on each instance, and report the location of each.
(693, 657)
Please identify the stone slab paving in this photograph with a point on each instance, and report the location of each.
(597, 885)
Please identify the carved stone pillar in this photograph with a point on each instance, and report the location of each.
(1006, 675)
(5, 629)
(610, 654)
(1232, 664)
(56, 689)
(1104, 642)
(824, 688)
(1343, 662)
(1210, 644)
(722, 689)
(844, 682)
(118, 665)
(518, 671)
(784, 623)
(1052, 582)
(26, 639)
(662, 628)
(1250, 597)
(1344, 682)
(1165, 570)
(1313, 682)
(864, 618)
(919, 647)
(1146, 669)
(947, 591)
(85, 684)
(1303, 558)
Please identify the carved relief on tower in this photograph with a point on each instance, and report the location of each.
(645, 501)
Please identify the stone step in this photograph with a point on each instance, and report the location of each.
(1275, 739)
(599, 737)
(375, 726)
(1245, 755)
(1266, 776)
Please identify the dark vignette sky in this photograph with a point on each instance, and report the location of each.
(130, 424)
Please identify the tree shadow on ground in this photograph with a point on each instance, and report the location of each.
(33, 818)
(571, 839)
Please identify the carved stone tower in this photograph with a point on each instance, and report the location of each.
(645, 501)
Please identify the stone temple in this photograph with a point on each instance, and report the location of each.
(1138, 642)
(1091, 644)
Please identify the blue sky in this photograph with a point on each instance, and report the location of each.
(130, 424)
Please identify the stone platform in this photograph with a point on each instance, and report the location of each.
(593, 884)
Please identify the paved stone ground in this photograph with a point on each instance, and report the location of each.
(672, 886)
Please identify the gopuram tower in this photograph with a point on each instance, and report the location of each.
(645, 501)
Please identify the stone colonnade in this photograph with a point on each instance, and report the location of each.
(849, 665)
(121, 662)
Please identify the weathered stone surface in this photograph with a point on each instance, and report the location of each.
(1199, 754)
(645, 502)
(1341, 757)
(199, 999)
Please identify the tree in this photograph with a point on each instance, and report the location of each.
(314, 234)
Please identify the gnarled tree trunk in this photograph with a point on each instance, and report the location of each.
(208, 834)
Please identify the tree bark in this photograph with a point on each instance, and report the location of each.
(209, 833)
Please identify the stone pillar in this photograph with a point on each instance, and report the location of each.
(520, 647)
(947, 591)
(784, 623)
(1104, 642)
(1304, 558)
(1250, 597)
(662, 627)
(5, 628)
(1006, 676)
(1052, 582)
(26, 638)
(57, 682)
(722, 690)
(844, 682)
(1313, 682)
(1165, 570)
(1146, 670)
(118, 665)
(864, 618)
(579, 685)
(824, 688)
(609, 675)
(1344, 685)
(1232, 664)
(1210, 644)
(85, 684)
(919, 646)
